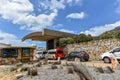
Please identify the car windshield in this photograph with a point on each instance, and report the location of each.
(39, 52)
(116, 50)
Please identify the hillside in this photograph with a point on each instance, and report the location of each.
(114, 30)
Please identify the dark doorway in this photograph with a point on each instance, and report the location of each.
(50, 44)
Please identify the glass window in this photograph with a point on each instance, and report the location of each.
(59, 52)
(116, 50)
(9, 53)
(25, 52)
(39, 52)
(51, 52)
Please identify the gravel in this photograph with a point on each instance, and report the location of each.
(52, 74)
(45, 72)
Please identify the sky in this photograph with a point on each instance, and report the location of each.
(21, 17)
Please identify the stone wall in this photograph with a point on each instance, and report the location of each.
(94, 48)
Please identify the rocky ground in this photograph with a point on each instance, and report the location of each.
(57, 72)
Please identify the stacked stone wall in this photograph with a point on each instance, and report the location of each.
(94, 48)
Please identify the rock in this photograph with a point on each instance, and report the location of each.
(19, 75)
(19, 70)
(44, 61)
(105, 77)
(64, 63)
(32, 71)
(54, 67)
(70, 69)
(24, 69)
(19, 64)
(56, 63)
(38, 64)
(13, 69)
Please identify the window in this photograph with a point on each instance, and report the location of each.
(59, 52)
(25, 52)
(39, 52)
(51, 52)
(9, 53)
(116, 50)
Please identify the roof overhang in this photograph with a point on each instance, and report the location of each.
(46, 35)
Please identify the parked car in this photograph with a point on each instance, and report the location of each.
(82, 55)
(40, 54)
(55, 53)
(113, 53)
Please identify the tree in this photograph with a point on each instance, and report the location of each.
(82, 38)
(117, 34)
(62, 42)
(89, 37)
(106, 35)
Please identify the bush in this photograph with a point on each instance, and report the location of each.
(82, 38)
(106, 35)
(117, 34)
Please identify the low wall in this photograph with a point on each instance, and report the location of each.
(94, 48)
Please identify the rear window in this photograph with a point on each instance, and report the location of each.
(39, 52)
(60, 52)
(51, 52)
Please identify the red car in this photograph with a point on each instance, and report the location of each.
(55, 53)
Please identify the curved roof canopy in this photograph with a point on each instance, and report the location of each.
(46, 35)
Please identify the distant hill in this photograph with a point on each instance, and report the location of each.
(114, 30)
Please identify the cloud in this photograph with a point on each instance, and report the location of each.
(21, 12)
(55, 5)
(72, 2)
(65, 30)
(11, 39)
(52, 5)
(58, 25)
(97, 30)
(80, 15)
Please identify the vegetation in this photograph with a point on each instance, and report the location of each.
(117, 34)
(62, 42)
(106, 35)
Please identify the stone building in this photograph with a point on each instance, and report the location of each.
(12, 54)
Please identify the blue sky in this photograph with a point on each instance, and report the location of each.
(20, 17)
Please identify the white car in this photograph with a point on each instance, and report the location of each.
(115, 53)
(40, 54)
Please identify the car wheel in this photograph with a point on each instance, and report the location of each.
(67, 59)
(106, 60)
(82, 59)
(86, 59)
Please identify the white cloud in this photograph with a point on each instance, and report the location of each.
(21, 12)
(72, 2)
(52, 5)
(10, 39)
(58, 25)
(65, 30)
(55, 5)
(97, 30)
(80, 15)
